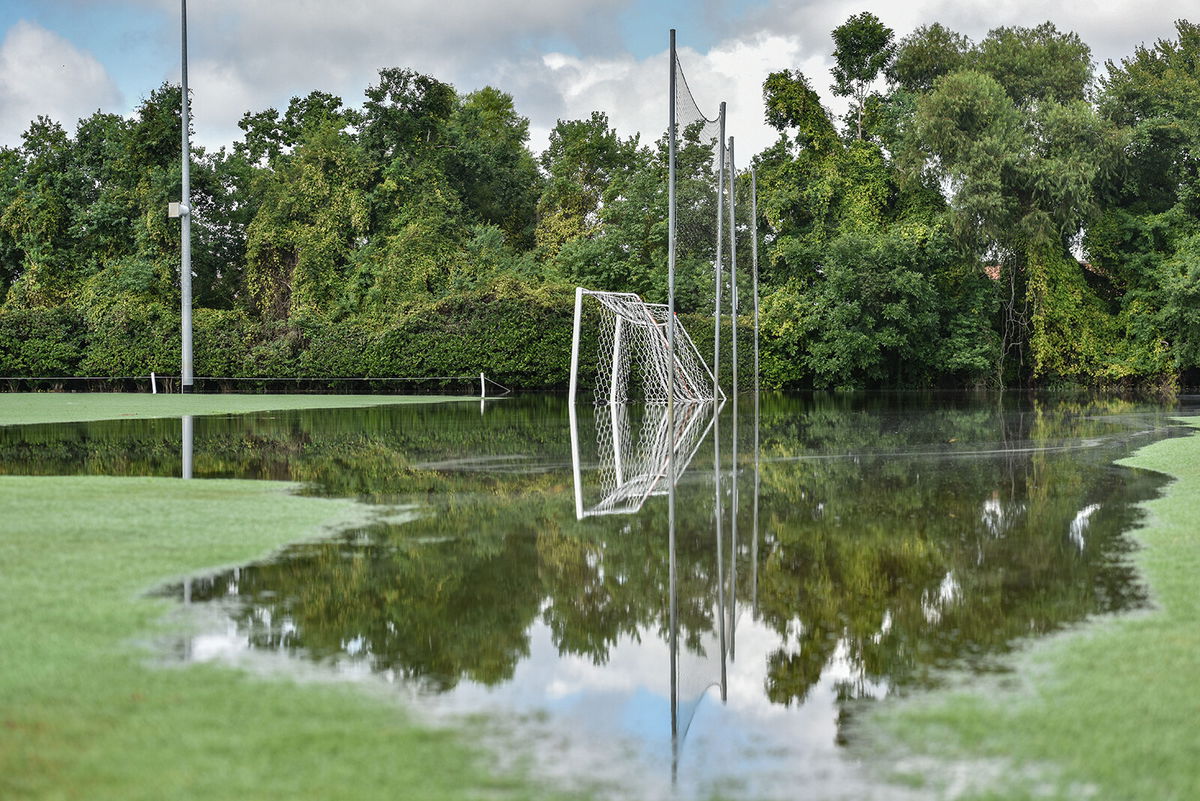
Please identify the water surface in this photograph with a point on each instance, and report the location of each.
(521, 575)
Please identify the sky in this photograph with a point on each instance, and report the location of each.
(559, 59)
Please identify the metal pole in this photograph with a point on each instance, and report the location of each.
(185, 246)
(671, 390)
(733, 291)
(717, 271)
(575, 343)
(754, 274)
(757, 476)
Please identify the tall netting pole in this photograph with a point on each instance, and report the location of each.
(717, 268)
(671, 386)
(733, 282)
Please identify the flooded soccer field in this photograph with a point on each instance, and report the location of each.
(517, 573)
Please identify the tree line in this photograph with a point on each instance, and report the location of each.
(991, 213)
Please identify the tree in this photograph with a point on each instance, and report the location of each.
(490, 167)
(863, 47)
(925, 55)
(1023, 187)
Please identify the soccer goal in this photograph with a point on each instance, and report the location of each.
(633, 358)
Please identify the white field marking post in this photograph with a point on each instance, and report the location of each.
(153, 385)
(482, 387)
(575, 344)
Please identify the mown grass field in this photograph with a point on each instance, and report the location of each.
(84, 712)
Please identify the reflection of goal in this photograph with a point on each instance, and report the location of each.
(632, 456)
(634, 350)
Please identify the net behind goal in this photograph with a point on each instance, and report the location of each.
(633, 359)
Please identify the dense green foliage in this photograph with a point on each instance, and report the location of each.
(988, 212)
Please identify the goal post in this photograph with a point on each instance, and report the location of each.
(634, 357)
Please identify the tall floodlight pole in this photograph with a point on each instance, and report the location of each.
(671, 386)
(185, 237)
(717, 271)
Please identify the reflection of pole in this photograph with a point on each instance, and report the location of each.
(575, 459)
(719, 516)
(674, 601)
(757, 386)
(615, 421)
(187, 445)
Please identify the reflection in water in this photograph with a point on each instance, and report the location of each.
(187, 429)
(633, 458)
(890, 539)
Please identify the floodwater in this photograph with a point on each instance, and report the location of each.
(522, 576)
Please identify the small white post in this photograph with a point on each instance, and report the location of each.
(153, 385)
(482, 387)
(575, 343)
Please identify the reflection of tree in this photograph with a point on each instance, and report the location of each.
(900, 561)
(901, 541)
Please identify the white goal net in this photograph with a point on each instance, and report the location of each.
(633, 356)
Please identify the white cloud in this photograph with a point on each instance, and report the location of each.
(633, 92)
(558, 59)
(248, 56)
(42, 73)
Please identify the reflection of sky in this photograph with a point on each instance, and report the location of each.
(576, 719)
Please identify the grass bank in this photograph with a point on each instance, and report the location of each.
(1106, 711)
(85, 715)
(67, 407)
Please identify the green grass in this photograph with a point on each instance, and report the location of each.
(65, 407)
(1109, 710)
(84, 711)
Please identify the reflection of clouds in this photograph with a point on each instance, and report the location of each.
(1080, 524)
(949, 592)
(999, 516)
(577, 719)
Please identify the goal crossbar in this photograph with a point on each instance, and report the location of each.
(634, 347)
